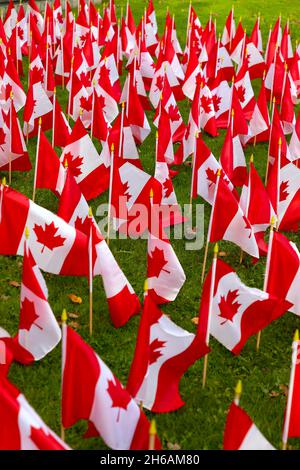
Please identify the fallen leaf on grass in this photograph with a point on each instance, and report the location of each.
(4, 297)
(14, 284)
(274, 394)
(195, 320)
(284, 389)
(172, 446)
(75, 299)
(73, 315)
(74, 325)
(222, 254)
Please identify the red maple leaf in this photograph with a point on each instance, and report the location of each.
(159, 82)
(155, 347)
(74, 164)
(20, 32)
(168, 187)
(211, 176)
(83, 225)
(228, 305)
(37, 74)
(47, 236)
(2, 138)
(188, 131)
(216, 102)
(157, 263)
(173, 112)
(84, 37)
(241, 90)
(85, 79)
(283, 191)
(119, 395)
(59, 17)
(101, 101)
(206, 104)
(86, 104)
(8, 90)
(125, 190)
(28, 315)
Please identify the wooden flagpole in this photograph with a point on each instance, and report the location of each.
(209, 226)
(287, 418)
(64, 318)
(53, 116)
(90, 252)
(269, 146)
(9, 161)
(211, 296)
(272, 225)
(152, 434)
(193, 173)
(36, 158)
(248, 200)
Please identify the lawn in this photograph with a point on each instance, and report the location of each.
(200, 423)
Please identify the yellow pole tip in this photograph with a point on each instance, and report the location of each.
(232, 79)
(152, 429)
(64, 316)
(146, 285)
(219, 172)
(273, 220)
(112, 147)
(274, 100)
(40, 121)
(296, 335)
(4, 181)
(238, 388)
(156, 134)
(252, 158)
(26, 233)
(54, 91)
(151, 193)
(123, 104)
(280, 141)
(232, 112)
(90, 212)
(80, 112)
(66, 163)
(11, 95)
(216, 249)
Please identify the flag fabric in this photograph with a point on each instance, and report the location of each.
(238, 311)
(50, 172)
(24, 429)
(241, 433)
(163, 352)
(38, 332)
(90, 391)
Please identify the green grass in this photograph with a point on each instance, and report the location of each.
(200, 423)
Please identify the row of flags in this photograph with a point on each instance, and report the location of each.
(86, 57)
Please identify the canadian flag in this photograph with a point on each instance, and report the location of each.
(90, 391)
(39, 332)
(260, 121)
(207, 120)
(135, 113)
(255, 61)
(221, 96)
(121, 298)
(229, 30)
(244, 90)
(50, 172)
(10, 19)
(6, 352)
(192, 74)
(232, 224)
(256, 36)
(37, 106)
(237, 311)
(205, 171)
(34, 11)
(169, 103)
(56, 246)
(164, 273)
(13, 151)
(60, 130)
(151, 28)
(131, 189)
(284, 192)
(88, 168)
(104, 89)
(163, 353)
(284, 271)
(11, 82)
(241, 433)
(232, 158)
(24, 429)
(256, 204)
